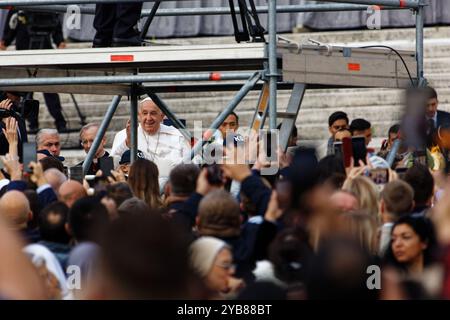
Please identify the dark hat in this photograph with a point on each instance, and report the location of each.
(126, 156)
(48, 154)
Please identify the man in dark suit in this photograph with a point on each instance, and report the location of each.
(115, 24)
(435, 117)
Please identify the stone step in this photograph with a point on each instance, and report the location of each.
(312, 100)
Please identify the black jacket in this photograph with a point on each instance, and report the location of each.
(95, 166)
(442, 118)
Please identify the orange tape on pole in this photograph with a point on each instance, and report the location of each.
(215, 76)
(122, 58)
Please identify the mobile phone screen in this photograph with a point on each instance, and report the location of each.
(337, 146)
(359, 150)
(29, 155)
(76, 173)
(106, 165)
(347, 151)
(379, 176)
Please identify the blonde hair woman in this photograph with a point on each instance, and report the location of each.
(362, 228)
(366, 192)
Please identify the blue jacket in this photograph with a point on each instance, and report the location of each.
(45, 193)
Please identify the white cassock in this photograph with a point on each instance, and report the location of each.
(166, 148)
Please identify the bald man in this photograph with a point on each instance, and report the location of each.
(164, 145)
(15, 209)
(55, 178)
(70, 191)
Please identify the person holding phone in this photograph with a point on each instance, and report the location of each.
(362, 128)
(336, 121)
(87, 136)
(12, 130)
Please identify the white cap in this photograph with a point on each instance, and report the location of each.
(146, 99)
(203, 252)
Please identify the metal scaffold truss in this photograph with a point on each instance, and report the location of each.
(150, 70)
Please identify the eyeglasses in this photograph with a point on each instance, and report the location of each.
(86, 142)
(226, 265)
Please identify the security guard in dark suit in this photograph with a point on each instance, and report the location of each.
(115, 24)
(34, 30)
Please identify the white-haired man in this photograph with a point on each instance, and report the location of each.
(164, 145)
(48, 139)
(87, 136)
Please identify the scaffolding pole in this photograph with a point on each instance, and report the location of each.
(134, 123)
(219, 10)
(412, 4)
(273, 68)
(101, 133)
(6, 3)
(124, 79)
(421, 81)
(396, 3)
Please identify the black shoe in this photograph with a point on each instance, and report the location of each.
(98, 43)
(128, 42)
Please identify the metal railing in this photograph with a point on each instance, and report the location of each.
(271, 72)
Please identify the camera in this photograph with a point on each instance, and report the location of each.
(40, 22)
(22, 107)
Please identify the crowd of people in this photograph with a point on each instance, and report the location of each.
(161, 228)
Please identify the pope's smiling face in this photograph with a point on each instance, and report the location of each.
(150, 117)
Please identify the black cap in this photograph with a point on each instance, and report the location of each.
(126, 156)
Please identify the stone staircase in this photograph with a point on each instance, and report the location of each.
(382, 107)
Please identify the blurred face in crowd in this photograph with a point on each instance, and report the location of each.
(392, 137)
(367, 134)
(342, 134)
(432, 106)
(344, 201)
(338, 125)
(150, 117)
(87, 139)
(50, 142)
(406, 244)
(219, 276)
(125, 168)
(230, 124)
